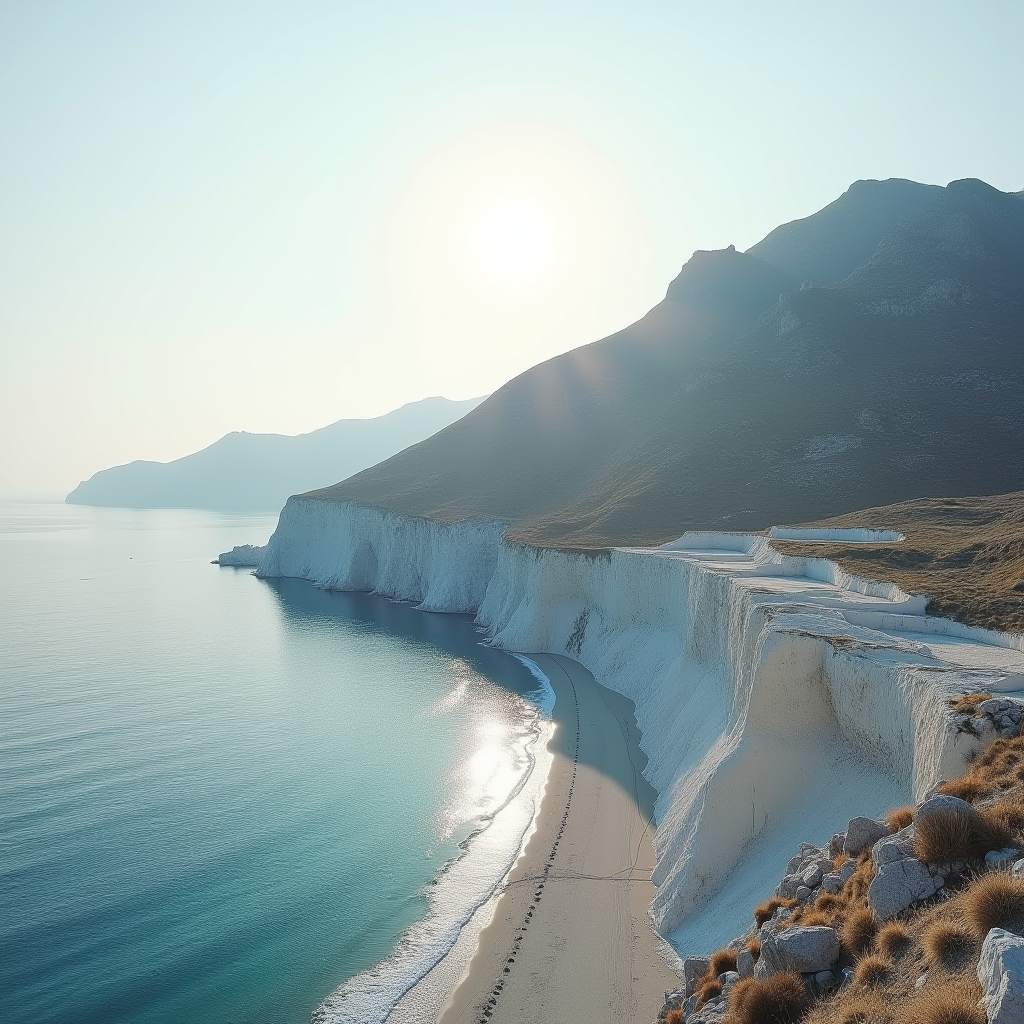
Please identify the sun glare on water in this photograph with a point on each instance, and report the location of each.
(513, 241)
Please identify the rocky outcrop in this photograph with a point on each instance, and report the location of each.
(900, 881)
(242, 556)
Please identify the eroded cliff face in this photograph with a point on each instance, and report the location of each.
(777, 696)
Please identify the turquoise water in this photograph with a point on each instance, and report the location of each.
(220, 798)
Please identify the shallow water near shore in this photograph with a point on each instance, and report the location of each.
(221, 798)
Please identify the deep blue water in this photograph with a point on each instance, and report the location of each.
(219, 797)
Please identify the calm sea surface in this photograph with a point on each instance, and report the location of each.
(220, 798)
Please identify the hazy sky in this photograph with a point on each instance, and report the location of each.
(270, 215)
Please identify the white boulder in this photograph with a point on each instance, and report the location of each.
(895, 847)
(940, 806)
(862, 833)
(805, 950)
(899, 884)
(1001, 973)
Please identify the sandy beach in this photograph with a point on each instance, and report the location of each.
(571, 939)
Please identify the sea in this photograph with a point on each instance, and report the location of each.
(226, 799)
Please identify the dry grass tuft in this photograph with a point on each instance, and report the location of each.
(827, 903)
(840, 859)
(893, 940)
(856, 889)
(861, 1008)
(708, 986)
(722, 961)
(993, 901)
(899, 817)
(1009, 814)
(958, 834)
(1000, 767)
(954, 1002)
(754, 947)
(780, 999)
(968, 702)
(674, 1017)
(873, 970)
(764, 911)
(965, 789)
(948, 944)
(858, 931)
(706, 990)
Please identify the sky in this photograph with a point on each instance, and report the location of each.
(268, 216)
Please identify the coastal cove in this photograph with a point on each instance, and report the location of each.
(224, 798)
(776, 696)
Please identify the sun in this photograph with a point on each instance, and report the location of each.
(512, 240)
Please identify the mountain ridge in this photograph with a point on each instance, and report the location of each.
(712, 413)
(256, 472)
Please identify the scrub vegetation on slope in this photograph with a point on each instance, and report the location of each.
(919, 965)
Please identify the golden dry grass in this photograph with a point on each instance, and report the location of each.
(967, 554)
(859, 1007)
(966, 789)
(780, 999)
(959, 833)
(826, 903)
(968, 702)
(1009, 814)
(873, 970)
(948, 945)
(953, 1002)
(999, 769)
(707, 989)
(939, 938)
(994, 900)
(721, 961)
(899, 817)
(708, 986)
(893, 940)
(764, 911)
(858, 932)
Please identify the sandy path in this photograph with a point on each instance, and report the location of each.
(571, 939)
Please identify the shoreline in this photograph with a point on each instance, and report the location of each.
(412, 981)
(570, 934)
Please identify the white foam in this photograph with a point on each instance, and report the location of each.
(764, 684)
(544, 695)
(431, 955)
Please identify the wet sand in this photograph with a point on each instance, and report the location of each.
(571, 939)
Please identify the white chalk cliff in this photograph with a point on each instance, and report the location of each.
(777, 696)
